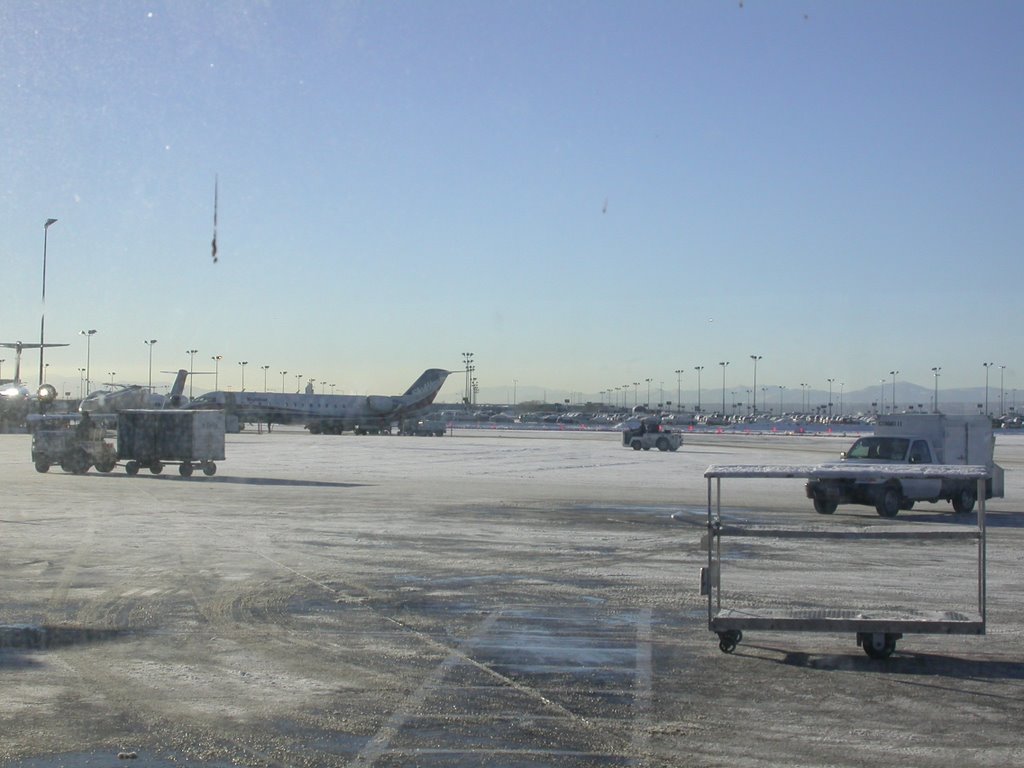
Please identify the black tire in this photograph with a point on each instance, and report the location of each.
(156, 467)
(728, 640)
(662, 444)
(889, 501)
(963, 501)
(185, 469)
(106, 466)
(823, 506)
(209, 469)
(881, 651)
(636, 445)
(42, 466)
(131, 468)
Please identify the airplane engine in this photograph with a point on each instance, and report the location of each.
(176, 401)
(380, 404)
(47, 393)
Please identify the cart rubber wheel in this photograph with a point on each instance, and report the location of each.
(107, 466)
(131, 468)
(728, 640)
(42, 466)
(210, 469)
(662, 444)
(185, 469)
(878, 645)
(156, 467)
(636, 445)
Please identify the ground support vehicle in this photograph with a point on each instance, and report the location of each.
(156, 438)
(650, 434)
(73, 449)
(428, 427)
(877, 629)
(920, 440)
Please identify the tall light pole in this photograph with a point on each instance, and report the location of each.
(149, 343)
(216, 371)
(88, 354)
(265, 369)
(830, 398)
(753, 408)
(723, 364)
(191, 367)
(282, 380)
(679, 388)
(243, 363)
(467, 359)
(1003, 410)
(987, 366)
(935, 371)
(298, 378)
(636, 390)
(42, 318)
(782, 389)
(698, 369)
(893, 374)
(648, 403)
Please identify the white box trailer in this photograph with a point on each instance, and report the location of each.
(153, 438)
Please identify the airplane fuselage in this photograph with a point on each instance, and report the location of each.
(326, 413)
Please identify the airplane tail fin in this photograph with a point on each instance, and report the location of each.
(425, 388)
(176, 397)
(430, 378)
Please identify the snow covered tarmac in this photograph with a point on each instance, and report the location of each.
(482, 599)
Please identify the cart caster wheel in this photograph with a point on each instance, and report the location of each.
(131, 468)
(185, 469)
(42, 466)
(156, 467)
(878, 645)
(728, 640)
(210, 469)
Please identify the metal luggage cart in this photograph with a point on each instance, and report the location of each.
(877, 631)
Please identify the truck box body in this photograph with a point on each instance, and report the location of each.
(170, 435)
(956, 439)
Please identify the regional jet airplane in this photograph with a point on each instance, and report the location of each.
(326, 413)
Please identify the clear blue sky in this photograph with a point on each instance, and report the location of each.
(583, 194)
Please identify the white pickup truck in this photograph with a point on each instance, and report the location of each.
(916, 439)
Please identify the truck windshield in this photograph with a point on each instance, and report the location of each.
(879, 448)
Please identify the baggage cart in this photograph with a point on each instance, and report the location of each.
(156, 438)
(877, 630)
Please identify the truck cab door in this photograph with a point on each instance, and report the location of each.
(920, 453)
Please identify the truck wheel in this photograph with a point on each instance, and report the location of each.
(156, 467)
(106, 466)
(42, 466)
(823, 506)
(662, 444)
(888, 502)
(636, 445)
(185, 469)
(131, 468)
(963, 501)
